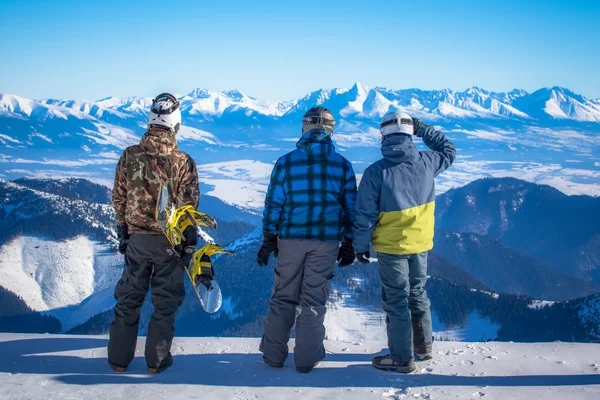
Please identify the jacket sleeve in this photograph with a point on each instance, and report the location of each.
(119, 193)
(274, 200)
(442, 152)
(349, 201)
(367, 209)
(189, 186)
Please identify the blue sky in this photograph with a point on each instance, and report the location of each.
(279, 50)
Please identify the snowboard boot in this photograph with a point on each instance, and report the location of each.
(272, 364)
(386, 363)
(156, 371)
(306, 370)
(115, 368)
(422, 348)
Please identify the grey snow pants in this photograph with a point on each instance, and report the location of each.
(147, 261)
(405, 302)
(304, 270)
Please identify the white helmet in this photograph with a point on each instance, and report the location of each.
(165, 113)
(396, 122)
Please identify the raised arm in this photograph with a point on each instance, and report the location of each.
(442, 152)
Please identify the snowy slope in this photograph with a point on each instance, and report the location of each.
(48, 274)
(50, 367)
(240, 183)
(54, 275)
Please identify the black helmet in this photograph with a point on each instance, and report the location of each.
(318, 118)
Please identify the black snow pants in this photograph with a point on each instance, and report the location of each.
(148, 260)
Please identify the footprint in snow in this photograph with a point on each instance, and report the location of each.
(478, 394)
(467, 362)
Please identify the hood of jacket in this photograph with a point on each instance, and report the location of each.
(158, 142)
(316, 144)
(399, 148)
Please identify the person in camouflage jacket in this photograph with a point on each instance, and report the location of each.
(141, 171)
(149, 258)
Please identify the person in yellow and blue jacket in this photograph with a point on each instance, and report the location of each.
(395, 211)
(309, 210)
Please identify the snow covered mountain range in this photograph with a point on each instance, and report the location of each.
(550, 136)
(555, 102)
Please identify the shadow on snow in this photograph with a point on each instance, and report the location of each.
(35, 356)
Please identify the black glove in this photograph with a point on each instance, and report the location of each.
(416, 125)
(364, 257)
(189, 244)
(269, 246)
(346, 253)
(208, 273)
(123, 236)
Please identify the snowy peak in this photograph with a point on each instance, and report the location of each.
(559, 103)
(199, 93)
(10, 103)
(206, 103)
(357, 96)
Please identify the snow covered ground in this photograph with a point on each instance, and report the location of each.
(74, 367)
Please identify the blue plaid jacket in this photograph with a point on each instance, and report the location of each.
(312, 192)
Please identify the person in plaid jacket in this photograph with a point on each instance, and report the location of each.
(309, 210)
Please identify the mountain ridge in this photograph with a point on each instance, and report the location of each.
(536, 219)
(545, 103)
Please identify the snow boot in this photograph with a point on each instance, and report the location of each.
(117, 368)
(272, 364)
(423, 357)
(156, 371)
(386, 363)
(306, 370)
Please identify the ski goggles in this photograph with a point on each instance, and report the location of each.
(157, 109)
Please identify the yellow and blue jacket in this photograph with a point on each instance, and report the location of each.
(396, 197)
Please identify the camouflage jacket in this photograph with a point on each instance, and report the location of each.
(140, 172)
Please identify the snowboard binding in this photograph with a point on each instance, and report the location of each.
(173, 222)
(201, 269)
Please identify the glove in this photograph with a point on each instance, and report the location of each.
(346, 253)
(416, 125)
(190, 242)
(208, 273)
(364, 257)
(123, 236)
(269, 246)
